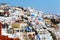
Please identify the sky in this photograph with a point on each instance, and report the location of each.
(47, 6)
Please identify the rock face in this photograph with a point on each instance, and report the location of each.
(0, 28)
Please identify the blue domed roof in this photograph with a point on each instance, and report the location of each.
(40, 18)
(33, 14)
